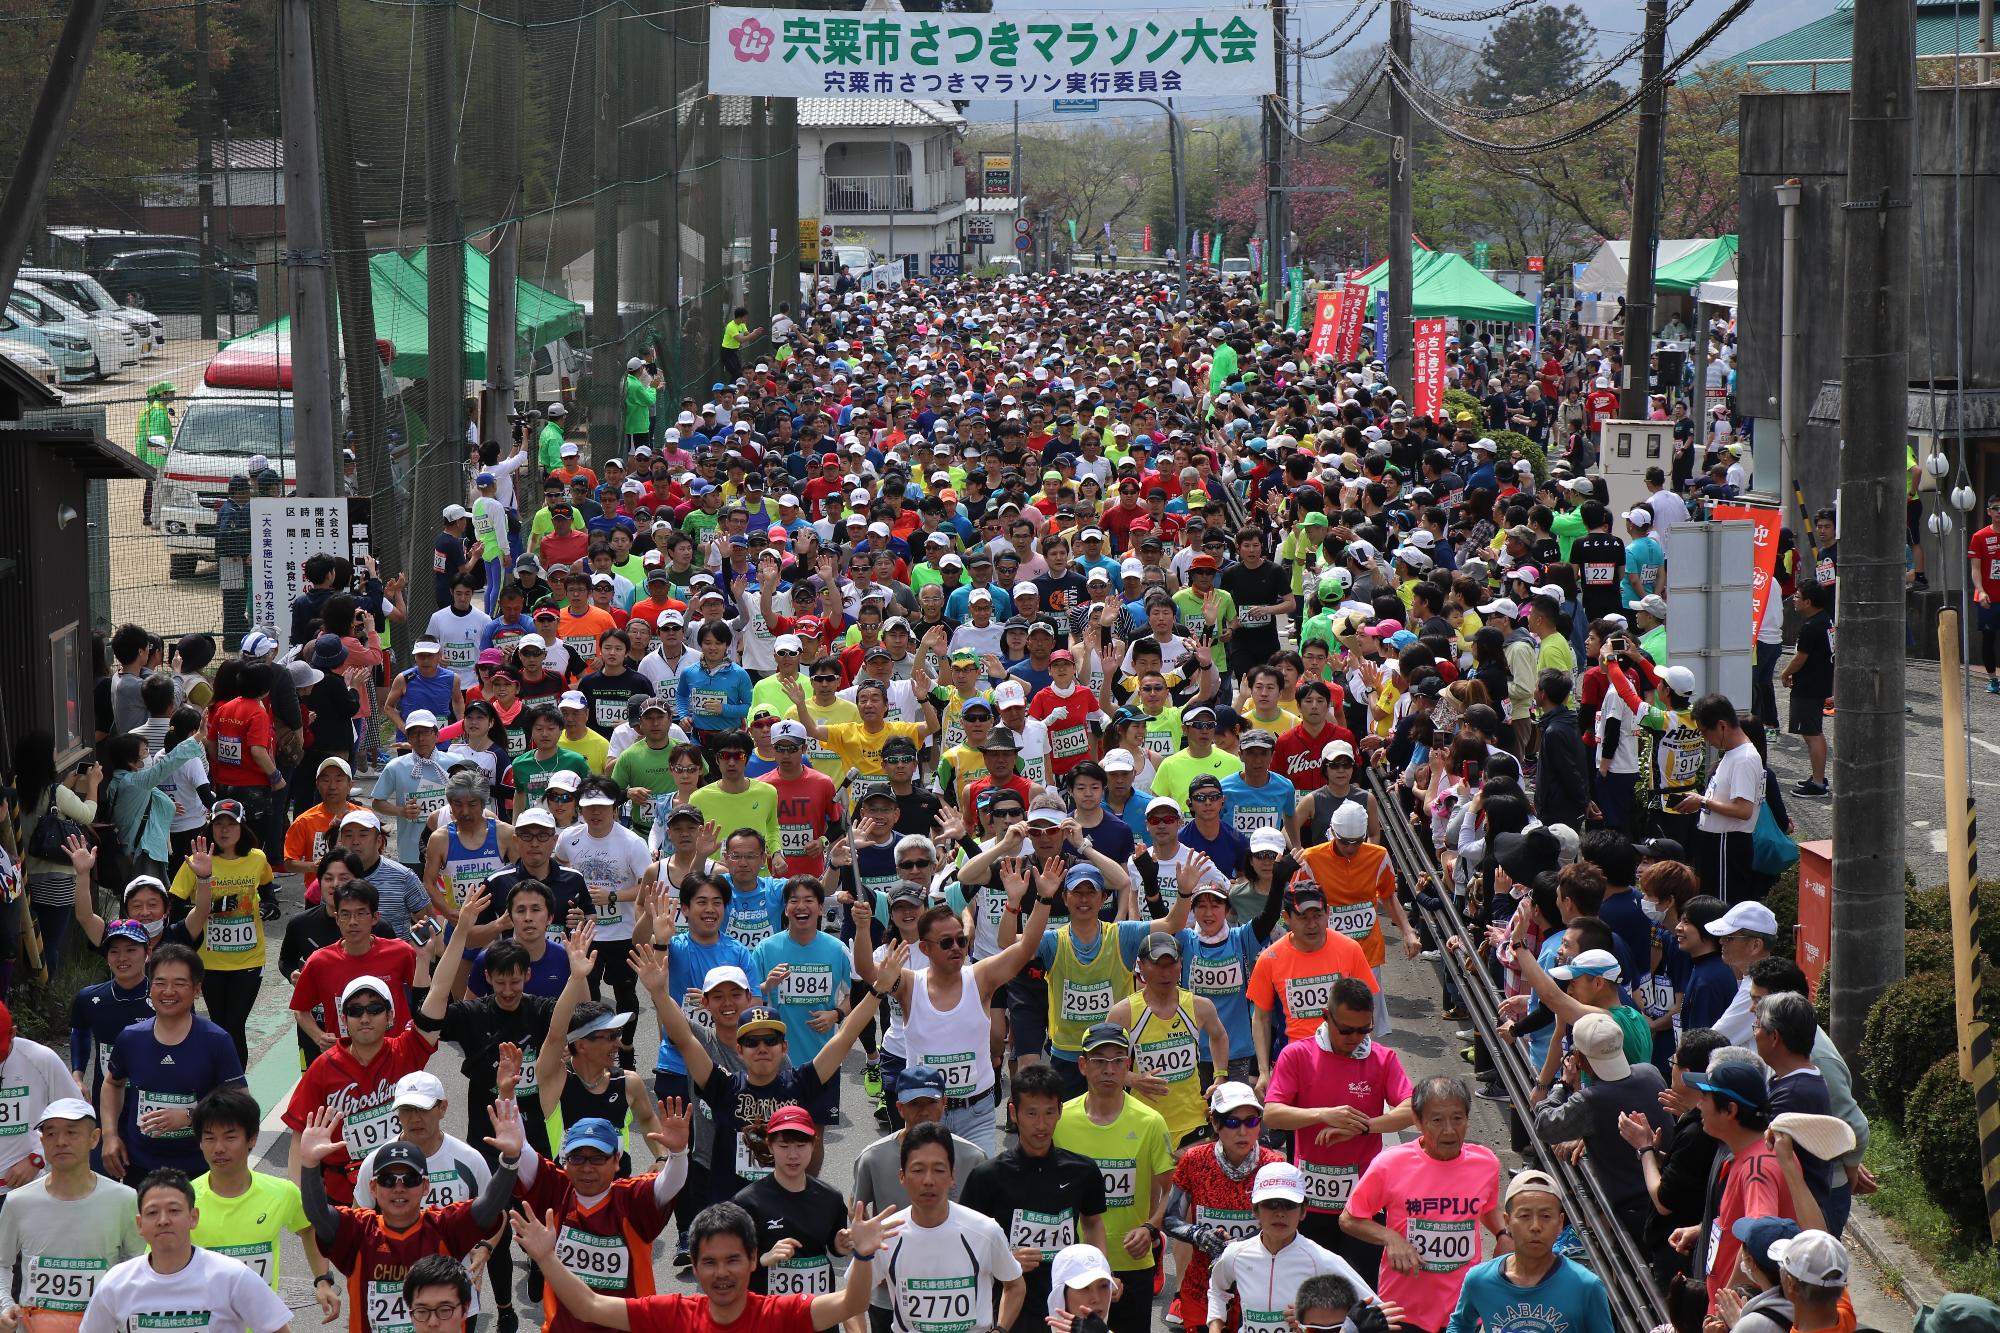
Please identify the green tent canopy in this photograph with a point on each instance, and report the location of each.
(1711, 260)
(1442, 283)
(402, 312)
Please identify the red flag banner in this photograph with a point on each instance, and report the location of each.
(1353, 313)
(1146, 243)
(1765, 547)
(1326, 318)
(1428, 389)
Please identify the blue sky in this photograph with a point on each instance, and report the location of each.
(1617, 25)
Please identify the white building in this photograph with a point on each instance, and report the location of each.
(887, 173)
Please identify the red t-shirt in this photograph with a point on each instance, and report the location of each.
(1985, 552)
(1017, 784)
(1118, 522)
(330, 967)
(1755, 1188)
(808, 809)
(609, 1244)
(237, 726)
(1068, 717)
(375, 1258)
(560, 550)
(1296, 757)
(365, 1097)
(1601, 403)
(690, 1314)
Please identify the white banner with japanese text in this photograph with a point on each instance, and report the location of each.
(1107, 54)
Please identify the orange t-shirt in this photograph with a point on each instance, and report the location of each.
(311, 835)
(1353, 885)
(580, 633)
(1303, 982)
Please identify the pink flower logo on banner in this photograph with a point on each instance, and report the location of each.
(752, 40)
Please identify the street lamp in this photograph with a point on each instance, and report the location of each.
(1174, 133)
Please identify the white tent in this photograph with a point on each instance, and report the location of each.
(1606, 270)
(1717, 292)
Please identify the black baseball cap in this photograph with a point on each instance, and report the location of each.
(401, 1153)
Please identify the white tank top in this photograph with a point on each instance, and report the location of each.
(955, 1042)
(892, 1040)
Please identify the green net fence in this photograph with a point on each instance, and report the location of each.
(582, 148)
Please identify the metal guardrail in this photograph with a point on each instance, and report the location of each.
(1637, 1304)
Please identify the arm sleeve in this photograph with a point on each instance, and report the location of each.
(669, 1180)
(312, 1196)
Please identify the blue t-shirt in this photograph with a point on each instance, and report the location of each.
(1228, 848)
(688, 964)
(1632, 933)
(755, 914)
(1221, 971)
(1569, 1299)
(1246, 808)
(96, 1016)
(820, 976)
(1538, 1041)
(1133, 812)
(158, 1077)
(1640, 556)
(547, 976)
(1113, 837)
(1710, 988)
(408, 778)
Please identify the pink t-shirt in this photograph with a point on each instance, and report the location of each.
(1309, 1074)
(1436, 1206)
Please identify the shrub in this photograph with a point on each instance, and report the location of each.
(1941, 1126)
(1926, 951)
(1783, 900)
(1928, 909)
(1458, 400)
(1904, 1036)
(1513, 442)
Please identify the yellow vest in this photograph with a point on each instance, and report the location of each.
(1171, 1048)
(1081, 993)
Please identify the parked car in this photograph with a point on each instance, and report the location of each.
(88, 295)
(73, 357)
(34, 360)
(170, 280)
(91, 248)
(113, 341)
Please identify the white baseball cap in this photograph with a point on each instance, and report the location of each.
(421, 717)
(1753, 917)
(1119, 761)
(1813, 1257)
(725, 975)
(573, 699)
(421, 1089)
(534, 817)
(1278, 1181)
(373, 985)
(453, 513)
(426, 646)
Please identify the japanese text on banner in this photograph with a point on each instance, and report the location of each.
(1765, 546)
(1326, 317)
(1107, 54)
(1428, 389)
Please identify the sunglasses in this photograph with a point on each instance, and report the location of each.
(1347, 1031)
(365, 1010)
(759, 1040)
(1164, 817)
(950, 941)
(913, 865)
(554, 794)
(1203, 725)
(1206, 796)
(399, 1180)
(1242, 1121)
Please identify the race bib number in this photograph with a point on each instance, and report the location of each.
(1328, 1187)
(1216, 976)
(386, 1311)
(1234, 1223)
(708, 703)
(157, 1101)
(1086, 1002)
(1047, 1232)
(699, 1018)
(529, 1082)
(809, 985)
(460, 656)
(257, 1258)
(1686, 768)
(52, 1282)
(1253, 620)
(1307, 997)
(610, 712)
(608, 912)
(1120, 1181)
(938, 1304)
(367, 1129)
(996, 907)
(231, 934)
(1248, 819)
(603, 1262)
(1357, 922)
(1264, 1321)
(1036, 770)
(429, 800)
(959, 1070)
(1172, 1058)
(582, 645)
(229, 749)
(811, 1275)
(1160, 743)
(748, 1169)
(1444, 1246)
(14, 1112)
(447, 1188)
(1600, 575)
(1714, 1242)
(1655, 995)
(1070, 742)
(796, 839)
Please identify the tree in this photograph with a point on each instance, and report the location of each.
(1532, 53)
(1093, 176)
(1321, 220)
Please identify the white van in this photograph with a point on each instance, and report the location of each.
(242, 408)
(112, 342)
(88, 295)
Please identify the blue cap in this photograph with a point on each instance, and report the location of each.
(699, 487)
(591, 1132)
(1734, 1081)
(1758, 1234)
(1083, 873)
(483, 479)
(916, 1082)
(1401, 639)
(739, 540)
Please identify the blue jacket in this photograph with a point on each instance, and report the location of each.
(732, 682)
(142, 813)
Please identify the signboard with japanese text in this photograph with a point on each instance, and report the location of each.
(996, 173)
(1326, 317)
(945, 265)
(979, 229)
(1295, 290)
(808, 240)
(1035, 53)
(1353, 314)
(1428, 390)
(284, 534)
(1764, 543)
(1076, 106)
(1382, 325)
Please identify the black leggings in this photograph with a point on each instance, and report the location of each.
(614, 964)
(231, 996)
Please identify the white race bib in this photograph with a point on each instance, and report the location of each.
(1171, 1058)
(158, 1101)
(1234, 1223)
(386, 1311)
(55, 1282)
(808, 1275)
(367, 1129)
(809, 985)
(231, 934)
(938, 1304)
(1444, 1246)
(1307, 997)
(1047, 1232)
(603, 1262)
(14, 1111)
(229, 750)
(748, 1169)
(1328, 1187)
(959, 1070)
(1356, 921)
(258, 1258)
(1086, 1002)
(1216, 977)
(1120, 1181)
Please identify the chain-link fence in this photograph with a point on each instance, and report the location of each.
(581, 147)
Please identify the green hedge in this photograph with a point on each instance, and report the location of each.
(1942, 1128)
(1512, 441)
(1458, 400)
(1927, 951)
(1908, 1029)
(1783, 900)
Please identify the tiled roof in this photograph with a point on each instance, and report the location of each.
(848, 113)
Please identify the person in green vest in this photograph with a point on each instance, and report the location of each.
(1222, 368)
(734, 334)
(548, 445)
(639, 397)
(157, 421)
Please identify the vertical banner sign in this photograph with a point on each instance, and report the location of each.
(997, 171)
(1215, 249)
(809, 240)
(1535, 334)
(1256, 249)
(284, 534)
(1353, 314)
(1480, 249)
(1427, 392)
(1765, 540)
(1146, 239)
(1326, 318)
(1382, 325)
(1296, 283)
(1072, 230)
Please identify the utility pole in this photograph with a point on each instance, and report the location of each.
(1276, 209)
(1020, 193)
(1400, 356)
(44, 139)
(1643, 248)
(607, 341)
(204, 161)
(315, 418)
(504, 263)
(438, 479)
(1868, 767)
